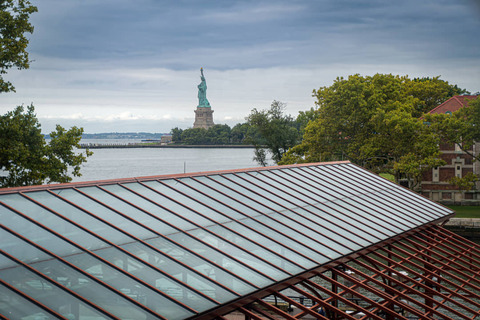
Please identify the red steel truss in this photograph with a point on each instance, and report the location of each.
(429, 274)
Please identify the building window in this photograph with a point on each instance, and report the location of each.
(446, 195)
(458, 170)
(457, 148)
(435, 175)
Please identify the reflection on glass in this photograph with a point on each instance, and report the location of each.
(221, 259)
(205, 266)
(52, 295)
(14, 306)
(189, 207)
(153, 206)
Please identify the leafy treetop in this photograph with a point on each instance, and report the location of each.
(14, 15)
(374, 121)
(27, 159)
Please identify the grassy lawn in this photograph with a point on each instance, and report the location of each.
(388, 176)
(466, 211)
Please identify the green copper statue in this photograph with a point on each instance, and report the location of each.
(202, 92)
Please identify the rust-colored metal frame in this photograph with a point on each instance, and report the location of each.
(428, 273)
(272, 192)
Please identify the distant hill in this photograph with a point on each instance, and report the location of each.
(121, 135)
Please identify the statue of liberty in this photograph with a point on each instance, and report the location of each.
(202, 92)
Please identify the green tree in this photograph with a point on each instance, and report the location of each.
(304, 117)
(461, 128)
(239, 133)
(27, 159)
(277, 132)
(218, 134)
(14, 15)
(372, 122)
(430, 92)
(176, 134)
(194, 136)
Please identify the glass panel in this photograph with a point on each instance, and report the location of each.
(240, 254)
(239, 238)
(222, 260)
(44, 238)
(347, 222)
(261, 231)
(14, 306)
(312, 230)
(69, 211)
(305, 245)
(189, 183)
(284, 192)
(279, 247)
(256, 249)
(331, 226)
(84, 285)
(372, 224)
(128, 209)
(187, 213)
(332, 188)
(141, 271)
(314, 185)
(241, 192)
(379, 208)
(53, 296)
(236, 197)
(316, 232)
(178, 271)
(405, 207)
(149, 206)
(135, 289)
(285, 183)
(67, 231)
(397, 191)
(238, 204)
(325, 175)
(236, 201)
(380, 219)
(203, 266)
(104, 213)
(59, 247)
(194, 205)
(356, 184)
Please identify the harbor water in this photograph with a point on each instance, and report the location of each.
(116, 163)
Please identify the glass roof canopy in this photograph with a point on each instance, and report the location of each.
(173, 247)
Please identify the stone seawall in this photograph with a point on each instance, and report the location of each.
(464, 222)
(466, 227)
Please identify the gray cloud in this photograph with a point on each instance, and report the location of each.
(110, 57)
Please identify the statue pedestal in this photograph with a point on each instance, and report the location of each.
(203, 118)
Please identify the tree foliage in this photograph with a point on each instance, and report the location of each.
(461, 128)
(219, 134)
(431, 92)
(27, 159)
(465, 183)
(277, 132)
(373, 121)
(14, 15)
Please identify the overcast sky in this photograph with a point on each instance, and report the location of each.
(124, 65)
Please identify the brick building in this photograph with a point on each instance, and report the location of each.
(435, 183)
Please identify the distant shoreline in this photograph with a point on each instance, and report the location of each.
(167, 146)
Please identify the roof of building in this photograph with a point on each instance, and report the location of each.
(205, 244)
(452, 104)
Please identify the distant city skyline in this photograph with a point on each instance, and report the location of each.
(124, 66)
